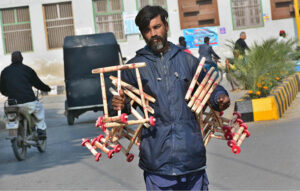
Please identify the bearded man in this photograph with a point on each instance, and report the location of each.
(172, 153)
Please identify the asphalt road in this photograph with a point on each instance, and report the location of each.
(269, 159)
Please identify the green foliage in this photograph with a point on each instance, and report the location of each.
(264, 65)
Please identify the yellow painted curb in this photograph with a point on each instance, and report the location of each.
(265, 109)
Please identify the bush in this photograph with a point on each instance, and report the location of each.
(264, 65)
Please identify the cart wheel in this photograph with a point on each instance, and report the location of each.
(231, 143)
(70, 118)
(130, 157)
(236, 149)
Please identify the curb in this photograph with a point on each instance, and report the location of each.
(273, 106)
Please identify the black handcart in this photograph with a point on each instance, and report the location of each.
(82, 54)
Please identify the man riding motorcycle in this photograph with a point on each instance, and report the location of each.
(16, 83)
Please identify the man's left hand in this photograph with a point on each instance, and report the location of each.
(223, 102)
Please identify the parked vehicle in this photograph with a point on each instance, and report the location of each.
(82, 54)
(21, 127)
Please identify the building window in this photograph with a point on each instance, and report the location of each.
(59, 23)
(108, 17)
(16, 29)
(143, 3)
(246, 13)
(282, 9)
(198, 13)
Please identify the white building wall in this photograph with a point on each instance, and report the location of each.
(49, 63)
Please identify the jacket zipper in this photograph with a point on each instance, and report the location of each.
(172, 126)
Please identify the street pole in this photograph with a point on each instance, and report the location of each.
(296, 8)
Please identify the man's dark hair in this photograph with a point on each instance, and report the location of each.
(16, 56)
(146, 14)
(182, 41)
(206, 39)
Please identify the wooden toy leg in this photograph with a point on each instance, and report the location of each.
(129, 156)
(131, 88)
(100, 146)
(86, 143)
(194, 80)
(200, 87)
(116, 147)
(236, 149)
(208, 95)
(103, 94)
(138, 76)
(134, 137)
(204, 92)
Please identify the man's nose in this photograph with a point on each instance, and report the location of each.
(153, 32)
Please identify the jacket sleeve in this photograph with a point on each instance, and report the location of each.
(37, 83)
(213, 52)
(215, 95)
(3, 88)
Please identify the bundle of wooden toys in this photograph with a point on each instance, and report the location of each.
(211, 122)
(118, 127)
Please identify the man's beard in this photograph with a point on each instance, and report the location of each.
(158, 45)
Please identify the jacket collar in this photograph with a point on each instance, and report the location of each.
(148, 53)
(16, 63)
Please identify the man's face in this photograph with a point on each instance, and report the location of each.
(223, 102)
(243, 36)
(156, 34)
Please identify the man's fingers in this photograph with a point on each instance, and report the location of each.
(121, 93)
(118, 98)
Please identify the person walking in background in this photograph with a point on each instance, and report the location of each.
(182, 43)
(172, 153)
(240, 45)
(208, 53)
(16, 83)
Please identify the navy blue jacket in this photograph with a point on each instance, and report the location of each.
(207, 51)
(174, 146)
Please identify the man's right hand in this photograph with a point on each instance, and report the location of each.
(118, 101)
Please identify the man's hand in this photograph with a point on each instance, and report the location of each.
(223, 102)
(118, 101)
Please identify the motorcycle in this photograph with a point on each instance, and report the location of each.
(21, 130)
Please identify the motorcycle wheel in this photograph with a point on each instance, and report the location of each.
(41, 145)
(18, 143)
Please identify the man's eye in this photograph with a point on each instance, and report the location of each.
(157, 27)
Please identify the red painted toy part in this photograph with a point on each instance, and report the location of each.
(152, 120)
(236, 149)
(244, 125)
(100, 137)
(239, 121)
(93, 141)
(238, 114)
(124, 118)
(231, 143)
(228, 136)
(247, 133)
(110, 154)
(84, 141)
(226, 129)
(221, 113)
(99, 121)
(98, 155)
(117, 148)
(130, 157)
(103, 127)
